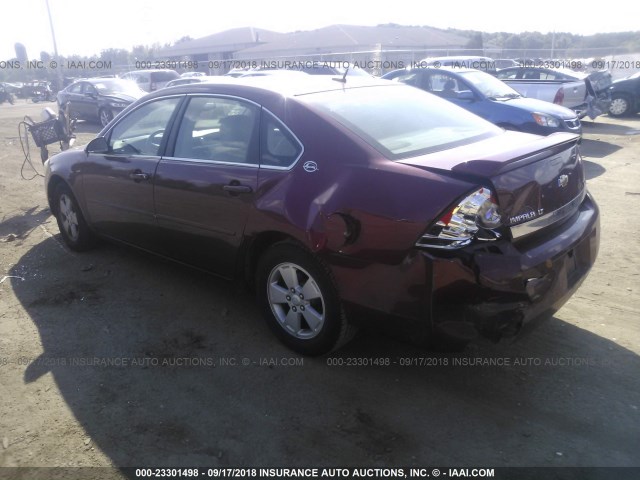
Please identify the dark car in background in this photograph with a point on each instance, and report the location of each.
(491, 99)
(99, 99)
(625, 96)
(340, 202)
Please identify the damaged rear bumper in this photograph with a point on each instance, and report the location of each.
(494, 289)
(500, 289)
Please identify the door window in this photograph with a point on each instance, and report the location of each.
(445, 85)
(141, 132)
(278, 147)
(76, 87)
(219, 130)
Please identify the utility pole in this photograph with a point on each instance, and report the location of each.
(55, 48)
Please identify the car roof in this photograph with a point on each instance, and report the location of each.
(100, 79)
(284, 85)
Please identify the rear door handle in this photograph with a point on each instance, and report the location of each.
(237, 188)
(138, 176)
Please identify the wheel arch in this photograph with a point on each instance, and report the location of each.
(632, 103)
(54, 181)
(256, 246)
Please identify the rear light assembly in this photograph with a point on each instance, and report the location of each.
(476, 217)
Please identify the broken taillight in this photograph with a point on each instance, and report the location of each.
(475, 217)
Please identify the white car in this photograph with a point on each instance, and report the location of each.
(151, 80)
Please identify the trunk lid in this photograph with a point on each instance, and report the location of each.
(538, 181)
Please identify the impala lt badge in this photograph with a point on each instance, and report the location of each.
(563, 181)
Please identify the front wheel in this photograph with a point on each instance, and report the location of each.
(71, 222)
(299, 300)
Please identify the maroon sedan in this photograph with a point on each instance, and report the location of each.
(340, 200)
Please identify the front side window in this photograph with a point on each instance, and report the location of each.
(489, 85)
(507, 74)
(445, 85)
(141, 132)
(219, 130)
(76, 87)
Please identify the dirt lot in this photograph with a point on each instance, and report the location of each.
(201, 381)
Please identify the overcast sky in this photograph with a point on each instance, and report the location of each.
(86, 27)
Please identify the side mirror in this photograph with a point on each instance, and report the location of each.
(98, 145)
(465, 95)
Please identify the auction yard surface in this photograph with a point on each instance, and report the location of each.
(113, 357)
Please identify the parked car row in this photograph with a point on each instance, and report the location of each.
(512, 104)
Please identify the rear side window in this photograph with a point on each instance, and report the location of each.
(278, 147)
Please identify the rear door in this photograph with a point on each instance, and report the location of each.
(74, 98)
(205, 189)
(118, 185)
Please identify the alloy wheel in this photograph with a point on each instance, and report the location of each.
(69, 217)
(296, 301)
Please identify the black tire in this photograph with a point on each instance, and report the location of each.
(620, 106)
(105, 116)
(73, 227)
(305, 273)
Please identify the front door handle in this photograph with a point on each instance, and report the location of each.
(237, 188)
(138, 176)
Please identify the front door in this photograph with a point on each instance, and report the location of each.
(118, 185)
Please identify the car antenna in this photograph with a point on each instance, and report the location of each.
(344, 77)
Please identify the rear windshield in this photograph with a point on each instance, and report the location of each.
(401, 121)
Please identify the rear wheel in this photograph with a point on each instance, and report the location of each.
(299, 300)
(72, 225)
(105, 116)
(620, 105)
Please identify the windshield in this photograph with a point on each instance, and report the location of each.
(489, 85)
(401, 121)
(109, 87)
